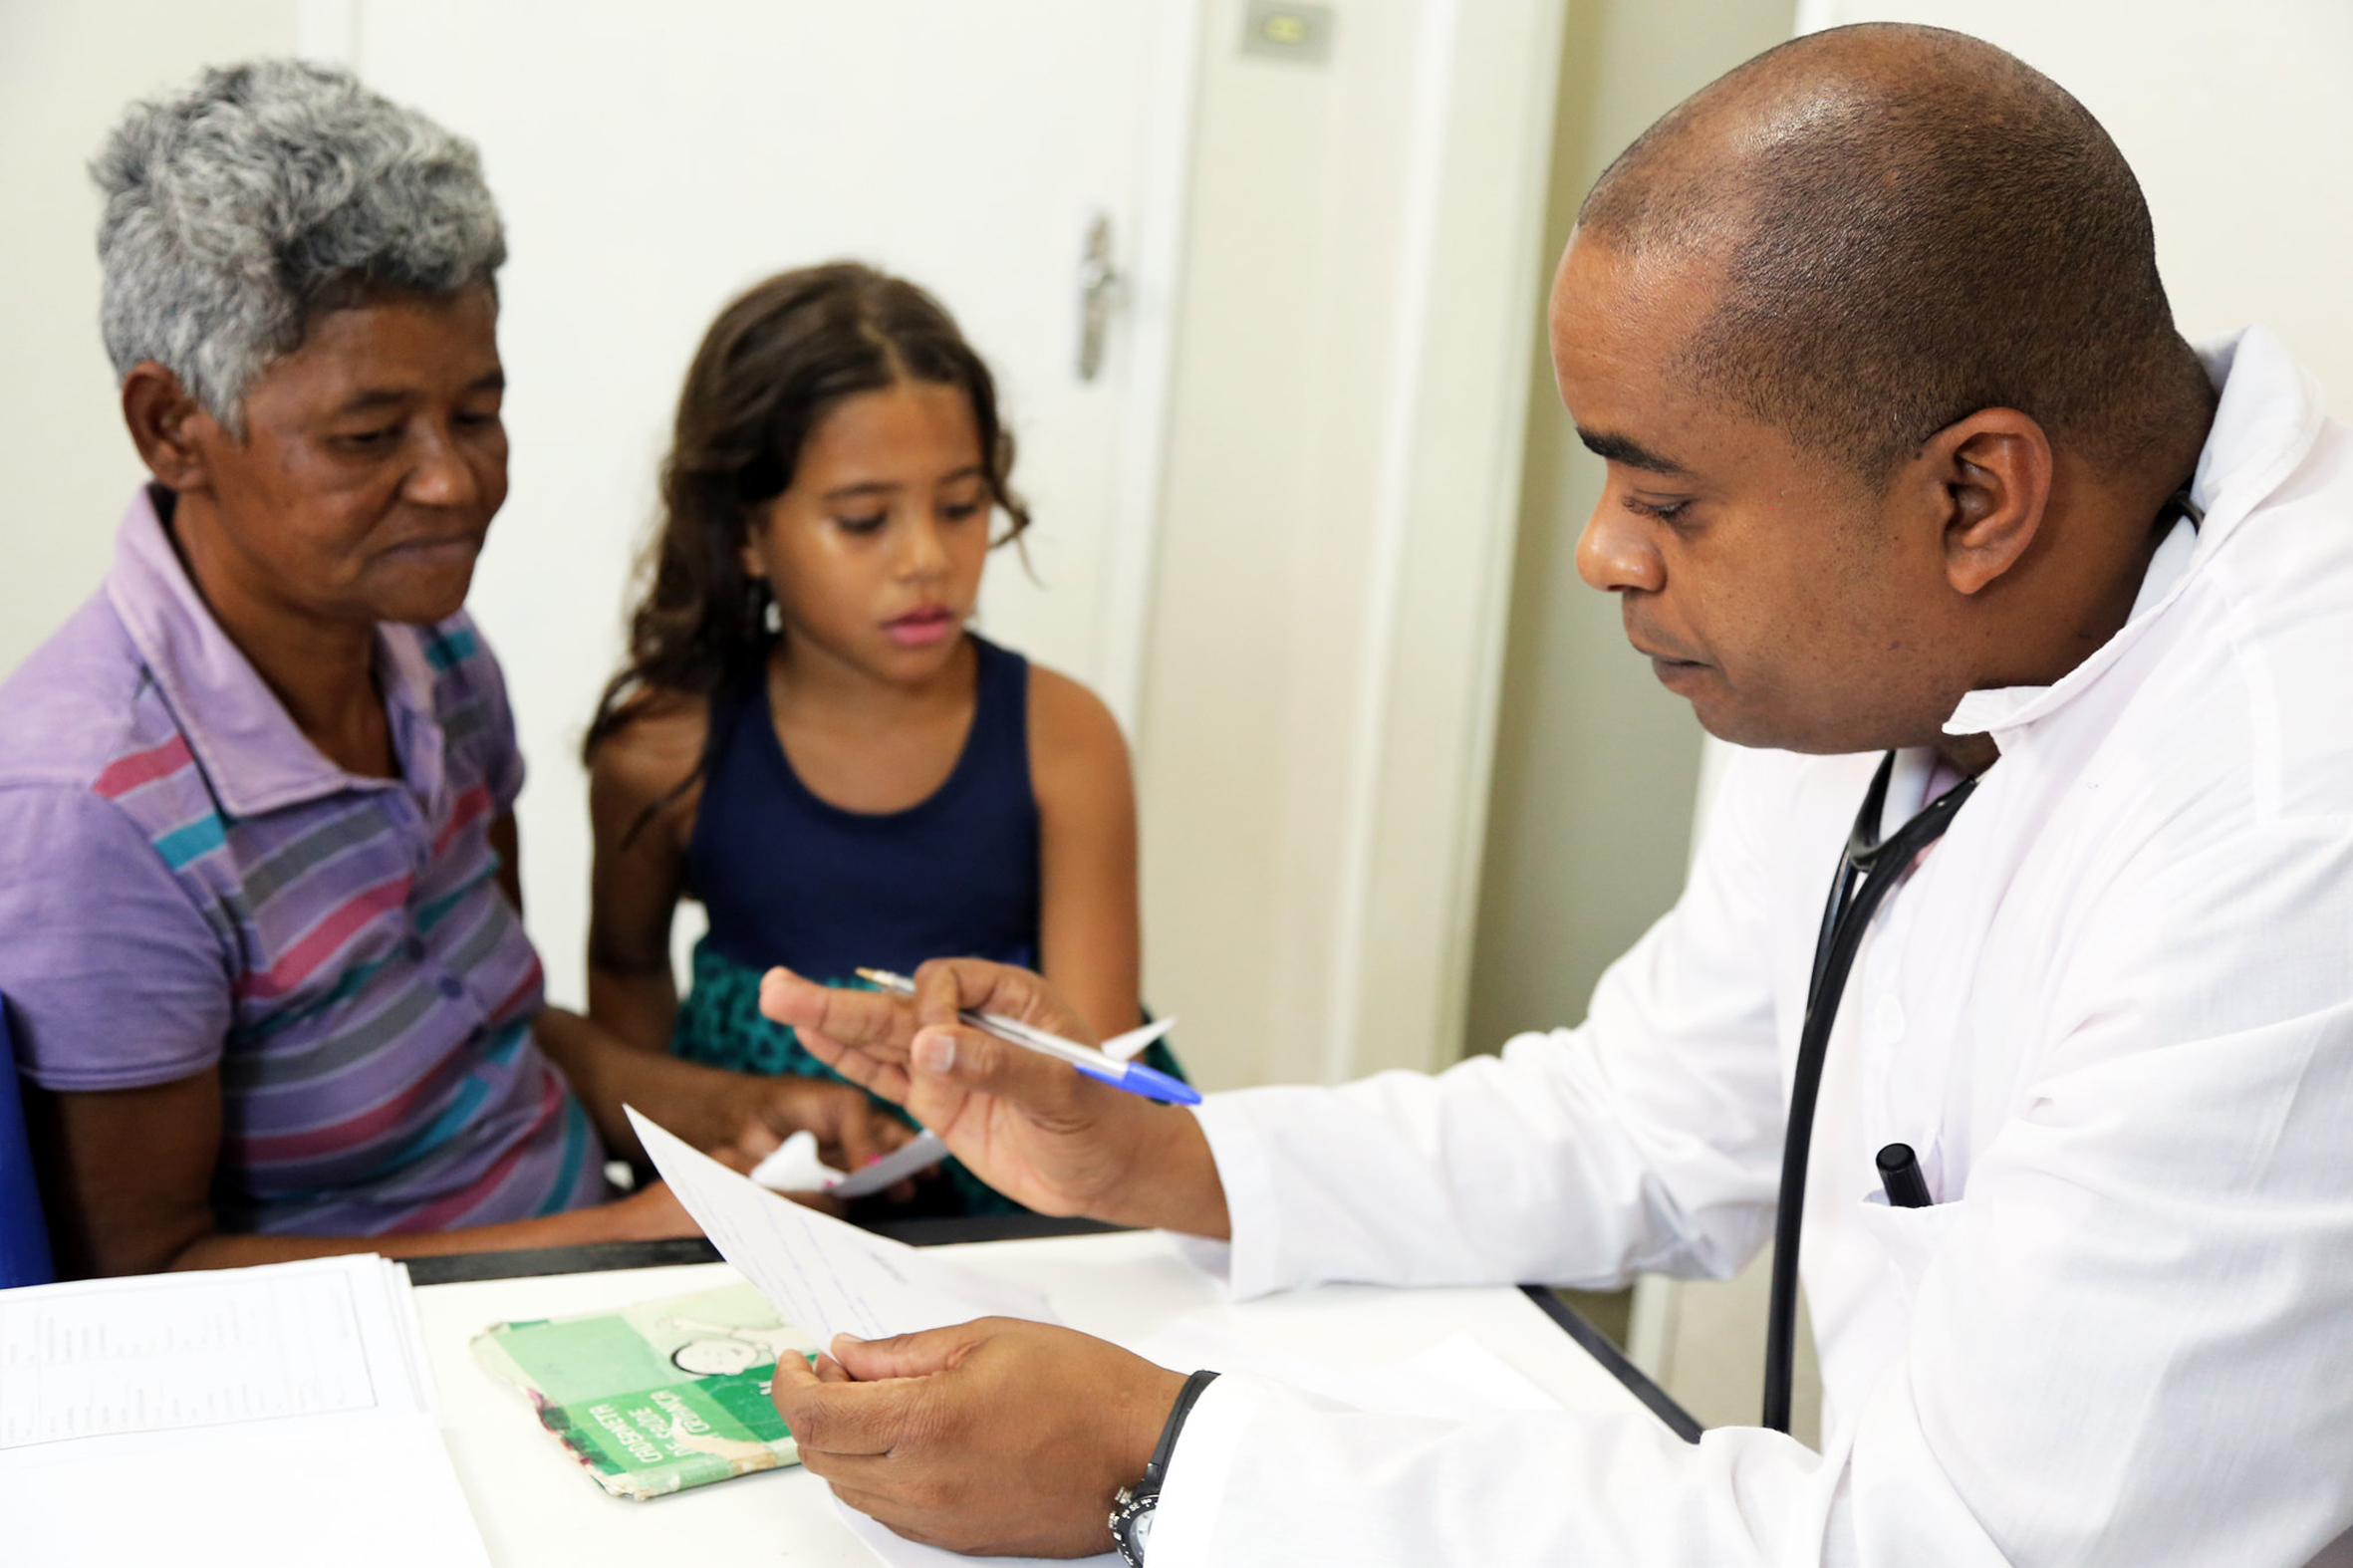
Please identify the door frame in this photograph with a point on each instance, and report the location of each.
(1432, 659)
(1150, 325)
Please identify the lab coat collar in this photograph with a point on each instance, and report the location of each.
(2269, 415)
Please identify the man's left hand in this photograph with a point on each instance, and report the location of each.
(998, 1436)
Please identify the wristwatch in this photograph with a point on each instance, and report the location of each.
(1132, 1508)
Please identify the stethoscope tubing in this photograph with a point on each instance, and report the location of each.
(1869, 868)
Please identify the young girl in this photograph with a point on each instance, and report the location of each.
(806, 736)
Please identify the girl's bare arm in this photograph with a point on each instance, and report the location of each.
(640, 868)
(1089, 941)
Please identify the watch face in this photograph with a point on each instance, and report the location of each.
(1141, 1530)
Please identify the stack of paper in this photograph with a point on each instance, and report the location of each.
(282, 1413)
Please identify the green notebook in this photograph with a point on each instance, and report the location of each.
(657, 1396)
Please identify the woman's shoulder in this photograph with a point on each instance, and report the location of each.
(79, 702)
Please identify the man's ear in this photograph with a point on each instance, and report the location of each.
(170, 428)
(1995, 468)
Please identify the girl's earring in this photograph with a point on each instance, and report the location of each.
(771, 614)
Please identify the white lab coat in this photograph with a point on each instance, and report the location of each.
(2113, 1009)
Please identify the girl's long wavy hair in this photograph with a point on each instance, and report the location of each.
(774, 364)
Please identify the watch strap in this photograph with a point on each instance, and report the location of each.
(1166, 1448)
(1133, 1502)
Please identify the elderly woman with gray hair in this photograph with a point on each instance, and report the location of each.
(259, 916)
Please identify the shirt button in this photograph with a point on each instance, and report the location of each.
(451, 986)
(1886, 1022)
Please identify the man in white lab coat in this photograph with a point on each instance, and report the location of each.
(1899, 430)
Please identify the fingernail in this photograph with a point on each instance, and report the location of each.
(935, 1051)
(848, 1339)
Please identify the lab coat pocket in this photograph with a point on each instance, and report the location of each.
(1909, 1238)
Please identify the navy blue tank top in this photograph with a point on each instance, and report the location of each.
(789, 879)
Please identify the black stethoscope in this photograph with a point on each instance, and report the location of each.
(1868, 870)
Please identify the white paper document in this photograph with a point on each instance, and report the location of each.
(278, 1414)
(163, 1352)
(826, 1277)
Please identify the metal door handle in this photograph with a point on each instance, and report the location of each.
(1100, 288)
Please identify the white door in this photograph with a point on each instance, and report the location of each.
(651, 161)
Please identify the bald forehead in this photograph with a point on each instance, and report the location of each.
(1631, 313)
(1605, 288)
(1619, 325)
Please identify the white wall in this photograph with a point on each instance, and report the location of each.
(67, 467)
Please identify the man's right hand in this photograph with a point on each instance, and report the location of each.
(1032, 1127)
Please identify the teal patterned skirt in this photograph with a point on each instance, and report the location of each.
(720, 1025)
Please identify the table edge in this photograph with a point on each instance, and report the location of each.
(1599, 1346)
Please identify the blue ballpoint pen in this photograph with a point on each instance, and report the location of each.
(1134, 1077)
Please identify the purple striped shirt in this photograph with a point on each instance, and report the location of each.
(186, 881)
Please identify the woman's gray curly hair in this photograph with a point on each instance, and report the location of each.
(270, 192)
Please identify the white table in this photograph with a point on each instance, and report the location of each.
(536, 1506)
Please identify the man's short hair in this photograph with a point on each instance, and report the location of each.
(1908, 225)
(270, 192)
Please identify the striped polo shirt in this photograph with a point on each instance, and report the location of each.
(187, 882)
